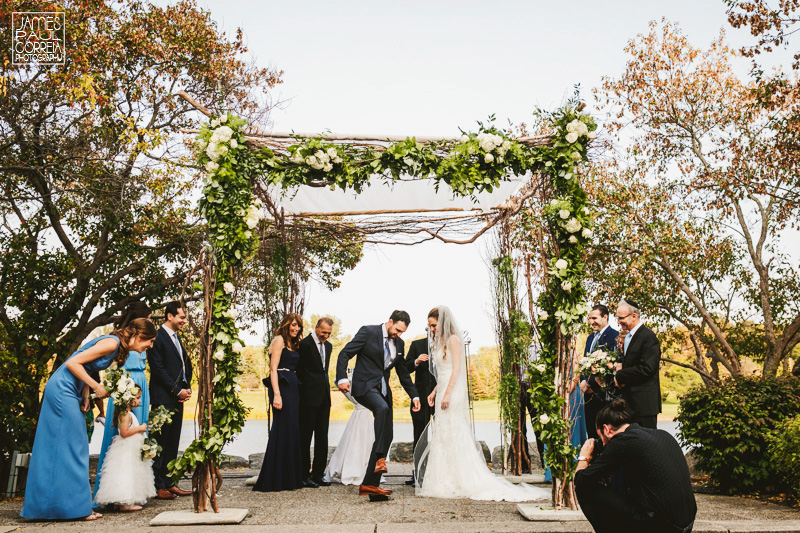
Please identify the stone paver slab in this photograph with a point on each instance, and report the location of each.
(187, 518)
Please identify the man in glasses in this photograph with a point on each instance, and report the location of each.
(638, 378)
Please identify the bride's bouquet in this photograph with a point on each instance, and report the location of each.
(158, 417)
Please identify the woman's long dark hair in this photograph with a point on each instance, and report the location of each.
(283, 331)
(141, 327)
(134, 310)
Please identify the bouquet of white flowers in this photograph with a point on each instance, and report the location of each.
(120, 386)
(158, 417)
(600, 363)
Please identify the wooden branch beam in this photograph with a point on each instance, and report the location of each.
(535, 140)
(378, 212)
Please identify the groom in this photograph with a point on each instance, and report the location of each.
(379, 349)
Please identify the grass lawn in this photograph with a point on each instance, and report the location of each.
(485, 410)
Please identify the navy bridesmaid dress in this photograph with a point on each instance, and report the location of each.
(282, 468)
(135, 364)
(58, 477)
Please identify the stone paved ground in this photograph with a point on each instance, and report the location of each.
(339, 509)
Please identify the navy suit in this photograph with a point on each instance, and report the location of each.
(170, 372)
(639, 379)
(595, 398)
(368, 375)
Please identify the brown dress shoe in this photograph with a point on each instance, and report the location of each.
(365, 490)
(164, 494)
(177, 491)
(380, 466)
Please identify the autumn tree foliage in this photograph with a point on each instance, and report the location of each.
(98, 191)
(694, 212)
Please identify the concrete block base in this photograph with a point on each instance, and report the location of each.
(190, 518)
(538, 513)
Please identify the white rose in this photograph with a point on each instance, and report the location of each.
(544, 419)
(122, 385)
(219, 355)
(328, 167)
(332, 152)
(237, 388)
(248, 234)
(222, 134)
(232, 313)
(237, 347)
(228, 287)
(573, 126)
(572, 137)
(582, 128)
(506, 145)
(540, 367)
(561, 264)
(543, 315)
(587, 233)
(464, 138)
(488, 158)
(215, 123)
(586, 210)
(211, 166)
(566, 285)
(564, 213)
(591, 135)
(575, 156)
(553, 202)
(234, 144)
(297, 157)
(572, 239)
(572, 225)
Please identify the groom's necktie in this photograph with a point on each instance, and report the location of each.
(180, 354)
(387, 360)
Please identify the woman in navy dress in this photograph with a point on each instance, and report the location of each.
(135, 364)
(282, 468)
(58, 477)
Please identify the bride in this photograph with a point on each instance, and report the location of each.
(448, 463)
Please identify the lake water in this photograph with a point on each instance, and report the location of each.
(253, 438)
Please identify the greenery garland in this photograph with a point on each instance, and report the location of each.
(476, 162)
(232, 213)
(563, 302)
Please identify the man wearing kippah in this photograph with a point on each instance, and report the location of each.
(638, 378)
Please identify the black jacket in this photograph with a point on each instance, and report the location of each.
(368, 345)
(315, 388)
(639, 374)
(167, 378)
(423, 379)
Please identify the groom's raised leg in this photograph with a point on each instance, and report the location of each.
(382, 413)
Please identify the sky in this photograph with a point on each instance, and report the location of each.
(428, 68)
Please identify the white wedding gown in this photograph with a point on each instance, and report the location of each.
(349, 460)
(448, 462)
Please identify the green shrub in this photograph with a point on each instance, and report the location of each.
(728, 425)
(783, 448)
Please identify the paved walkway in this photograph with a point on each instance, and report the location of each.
(339, 509)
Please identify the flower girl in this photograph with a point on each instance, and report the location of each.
(126, 480)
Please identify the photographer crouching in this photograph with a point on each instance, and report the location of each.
(657, 495)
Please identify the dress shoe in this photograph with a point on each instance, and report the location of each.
(177, 491)
(321, 482)
(378, 498)
(380, 466)
(164, 494)
(372, 490)
(310, 483)
(411, 482)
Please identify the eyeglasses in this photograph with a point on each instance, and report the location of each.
(623, 317)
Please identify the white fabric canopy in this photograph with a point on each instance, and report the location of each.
(418, 195)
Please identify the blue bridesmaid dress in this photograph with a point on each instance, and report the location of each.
(577, 432)
(58, 477)
(135, 364)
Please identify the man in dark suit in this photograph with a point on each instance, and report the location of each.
(604, 337)
(379, 349)
(170, 386)
(638, 376)
(315, 400)
(417, 362)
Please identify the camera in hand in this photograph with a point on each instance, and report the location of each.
(598, 446)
